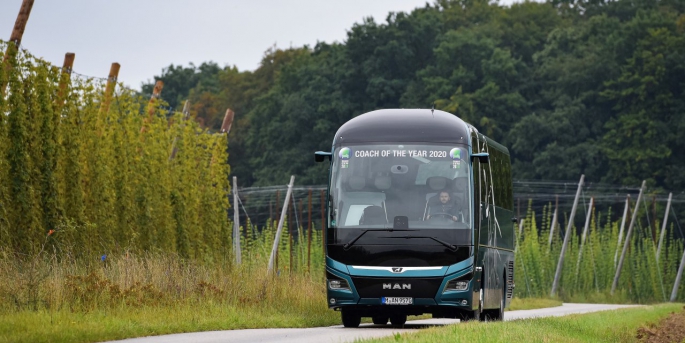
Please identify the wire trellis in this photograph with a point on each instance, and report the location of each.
(259, 205)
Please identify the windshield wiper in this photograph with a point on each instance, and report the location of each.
(347, 245)
(448, 245)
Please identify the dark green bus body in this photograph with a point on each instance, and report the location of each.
(393, 246)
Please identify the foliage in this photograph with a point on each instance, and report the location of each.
(100, 179)
(572, 87)
(588, 273)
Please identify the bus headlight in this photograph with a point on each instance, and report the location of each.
(457, 285)
(338, 285)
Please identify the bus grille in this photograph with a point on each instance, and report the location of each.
(397, 287)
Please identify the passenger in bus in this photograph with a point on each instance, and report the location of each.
(444, 206)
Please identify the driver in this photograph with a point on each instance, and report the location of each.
(445, 206)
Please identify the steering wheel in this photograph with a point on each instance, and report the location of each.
(443, 215)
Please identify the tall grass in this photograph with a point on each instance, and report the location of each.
(588, 277)
(56, 280)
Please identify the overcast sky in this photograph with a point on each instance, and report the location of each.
(146, 36)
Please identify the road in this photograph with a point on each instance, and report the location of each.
(338, 333)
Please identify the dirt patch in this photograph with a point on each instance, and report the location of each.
(670, 329)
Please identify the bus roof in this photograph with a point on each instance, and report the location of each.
(404, 125)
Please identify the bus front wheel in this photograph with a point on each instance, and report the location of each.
(350, 320)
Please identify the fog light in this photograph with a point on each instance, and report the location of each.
(455, 285)
(464, 302)
(332, 301)
(337, 284)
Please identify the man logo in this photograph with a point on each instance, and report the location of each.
(396, 286)
(397, 270)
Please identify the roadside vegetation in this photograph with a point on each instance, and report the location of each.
(57, 299)
(606, 326)
(532, 303)
(589, 267)
(54, 298)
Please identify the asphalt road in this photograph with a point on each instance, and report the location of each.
(340, 334)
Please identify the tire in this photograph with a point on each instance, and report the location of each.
(380, 320)
(350, 320)
(398, 320)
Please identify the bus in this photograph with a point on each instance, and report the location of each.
(419, 221)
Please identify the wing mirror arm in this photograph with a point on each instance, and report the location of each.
(483, 157)
(319, 156)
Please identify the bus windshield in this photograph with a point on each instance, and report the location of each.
(420, 186)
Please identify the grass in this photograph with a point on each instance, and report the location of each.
(532, 303)
(185, 316)
(65, 326)
(607, 326)
(70, 300)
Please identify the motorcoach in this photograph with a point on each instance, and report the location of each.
(419, 219)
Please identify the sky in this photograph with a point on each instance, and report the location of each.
(147, 36)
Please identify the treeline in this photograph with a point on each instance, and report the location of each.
(594, 87)
(84, 174)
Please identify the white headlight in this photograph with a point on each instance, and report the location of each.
(338, 284)
(455, 285)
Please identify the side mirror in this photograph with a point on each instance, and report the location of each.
(319, 156)
(483, 157)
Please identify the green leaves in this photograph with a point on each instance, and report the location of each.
(90, 182)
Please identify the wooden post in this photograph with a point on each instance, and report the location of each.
(290, 234)
(584, 236)
(309, 232)
(15, 37)
(551, 228)
(156, 93)
(627, 243)
(653, 226)
(623, 224)
(64, 79)
(567, 235)
(663, 226)
(678, 277)
(174, 149)
(111, 84)
(20, 23)
(236, 223)
(274, 249)
(152, 104)
(228, 121)
(554, 223)
(186, 110)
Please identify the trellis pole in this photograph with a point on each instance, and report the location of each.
(111, 85)
(678, 277)
(280, 225)
(663, 226)
(584, 236)
(551, 228)
(64, 79)
(16, 36)
(236, 223)
(627, 242)
(620, 232)
(567, 235)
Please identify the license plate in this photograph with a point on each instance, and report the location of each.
(397, 301)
